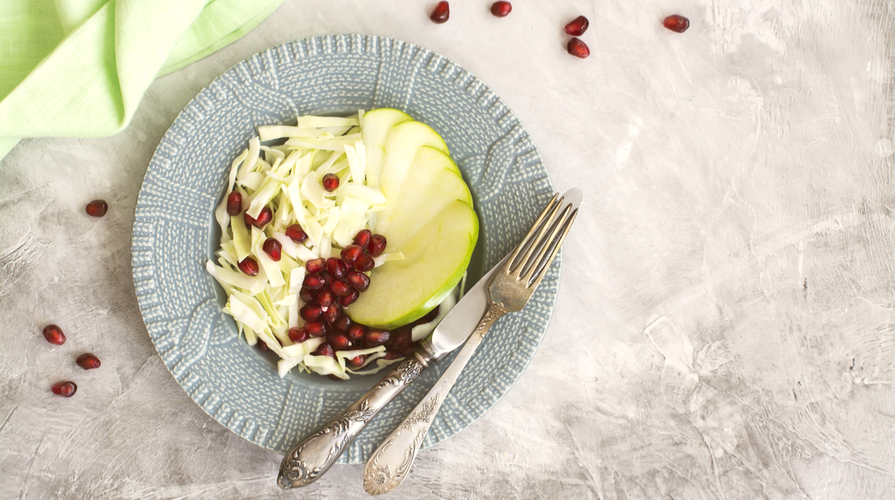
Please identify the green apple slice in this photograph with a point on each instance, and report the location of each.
(401, 148)
(436, 257)
(377, 125)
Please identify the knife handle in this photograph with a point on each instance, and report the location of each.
(315, 454)
(390, 463)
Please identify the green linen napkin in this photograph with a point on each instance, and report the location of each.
(78, 68)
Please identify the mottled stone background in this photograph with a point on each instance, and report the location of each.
(726, 321)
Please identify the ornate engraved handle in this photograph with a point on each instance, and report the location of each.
(390, 463)
(315, 454)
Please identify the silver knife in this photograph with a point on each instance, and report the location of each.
(315, 454)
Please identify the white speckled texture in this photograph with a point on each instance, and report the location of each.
(726, 318)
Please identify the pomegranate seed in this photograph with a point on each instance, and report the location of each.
(336, 268)
(97, 208)
(315, 328)
(326, 277)
(407, 350)
(377, 336)
(325, 349)
(88, 361)
(249, 266)
(330, 182)
(315, 265)
(363, 238)
(298, 335)
(441, 13)
(54, 335)
(262, 346)
(377, 245)
(351, 253)
(264, 217)
(428, 318)
(331, 313)
(305, 295)
(339, 341)
(343, 324)
(364, 263)
(325, 298)
(401, 338)
(357, 361)
(349, 299)
(66, 388)
(296, 233)
(578, 48)
(234, 203)
(390, 354)
(272, 248)
(676, 23)
(357, 331)
(313, 281)
(578, 26)
(310, 312)
(501, 9)
(358, 280)
(341, 288)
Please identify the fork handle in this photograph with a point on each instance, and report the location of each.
(315, 454)
(390, 463)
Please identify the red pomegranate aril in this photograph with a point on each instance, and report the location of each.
(325, 298)
(501, 9)
(264, 217)
(54, 334)
(332, 313)
(578, 26)
(66, 388)
(357, 361)
(249, 266)
(390, 354)
(358, 280)
(363, 238)
(341, 288)
(377, 336)
(578, 48)
(401, 338)
(273, 249)
(343, 323)
(306, 295)
(316, 328)
(325, 349)
(357, 332)
(349, 299)
(296, 233)
(315, 265)
(262, 346)
(339, 341)
(336, 268)
(406, 350)
(441, 13)
(377, 245)
(234, 203)
(676, 23)
(97, 208)
(364, 263)
(298, 335)
(310, 312)
(88, 361)
(313, 281)
(351, 253)
(330, 182)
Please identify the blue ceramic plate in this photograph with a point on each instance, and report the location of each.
(175, 234)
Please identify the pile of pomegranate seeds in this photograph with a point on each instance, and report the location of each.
(501, 9)
(676, 23)
(441, 13)
(97, 208)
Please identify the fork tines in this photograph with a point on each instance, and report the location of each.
(540, 245)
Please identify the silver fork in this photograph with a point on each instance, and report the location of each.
(510, 290)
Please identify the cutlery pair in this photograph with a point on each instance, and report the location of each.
(505, 288)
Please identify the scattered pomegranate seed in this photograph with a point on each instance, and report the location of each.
(578, 26)
(358, 280)
(313, 281)
(339, 341)
(336, 268)
(676, 23)
(249, 266)
(264, 217)
(315, 328)
(330, 182)
(350, 253)
(363, 238)
(501, 9)
(305, 295)
(357, 361)
(298, 335)
(325, 349)
(343, 324)
(357, 332)
(310, 312)
(296, 233)
(54, 334)
(262, 345)
(364, 263)
(377, 336)
(377, 245)
(325, 298)
(234, 203)
(97, 208)
(578, 48)
(88, 361)
(315, 265)
(441, 13)
(272, 248)
(332, 313)
(349, 299)
(341, 288)
(66, 388)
